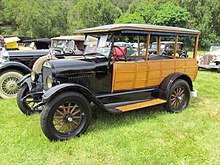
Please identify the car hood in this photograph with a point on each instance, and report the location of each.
(79, 65)
(213, 53)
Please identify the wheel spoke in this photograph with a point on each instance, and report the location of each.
(74, 107)
(76, 117)
(74, 122)
(175, 92)
(64, 109)
(172, 103)
(76, 112)
(60, 112)
(58, 122)
(60, 126)
(68, 110)
(58, 117)
(181, 92)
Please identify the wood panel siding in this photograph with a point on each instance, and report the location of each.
(141, 74)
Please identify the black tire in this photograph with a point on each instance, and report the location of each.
(178, 96)
(8, 83)
(65, 116)
(26, 102)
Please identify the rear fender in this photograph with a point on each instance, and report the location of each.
(169, 80)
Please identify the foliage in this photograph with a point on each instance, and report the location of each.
(130, 18)
(122, 4)
(46, 18)
(90, 13)
(170, 14)
(147, 136)
(42, 18)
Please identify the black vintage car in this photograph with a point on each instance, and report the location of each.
(15, 64)
(110, 78)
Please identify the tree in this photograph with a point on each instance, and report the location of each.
(170, 14)
(130, 18)
(122, 4)
(90, 13)
(42, 18)
(8, 15)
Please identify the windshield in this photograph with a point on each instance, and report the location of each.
(154, 46)
(66, 46)
(101, 46)
(214, 48)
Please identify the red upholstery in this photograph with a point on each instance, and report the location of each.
(119, 52)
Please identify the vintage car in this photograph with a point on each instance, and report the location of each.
(167, 48)
(34, 44)
(14, 42)
(211, 59)
(15, 64)
(111, 80)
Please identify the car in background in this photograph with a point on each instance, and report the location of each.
(17, 63)
(130, 50)
(167, 48)
(35, 44)
(211, 59)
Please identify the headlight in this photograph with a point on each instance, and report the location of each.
(49, 82)
(34, 76)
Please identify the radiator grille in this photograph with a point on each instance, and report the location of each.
(83, 80)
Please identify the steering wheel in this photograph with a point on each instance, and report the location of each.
(116, 56)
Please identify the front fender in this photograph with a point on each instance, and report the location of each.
(32, 86)
(14, 65)
(66, 87)
(54, 91)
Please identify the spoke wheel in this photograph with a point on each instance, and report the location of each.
(178, 97)
(26, 102)
(8, 83)
(65, 116)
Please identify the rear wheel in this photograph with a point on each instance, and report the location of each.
(26, 102)
(178, 96)
(8, 83)
(66, 116)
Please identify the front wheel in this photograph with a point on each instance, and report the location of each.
(26, 102)
(178, 96)
(8, 83)
(66, 116)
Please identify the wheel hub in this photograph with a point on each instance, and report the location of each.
(11, 85)
(68, 118)
(179, 98)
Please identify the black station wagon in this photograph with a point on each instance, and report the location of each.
(112, 79)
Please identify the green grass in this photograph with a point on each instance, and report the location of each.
(147, 136)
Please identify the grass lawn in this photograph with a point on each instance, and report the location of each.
(146, 136)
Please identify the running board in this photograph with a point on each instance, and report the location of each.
(140, 105)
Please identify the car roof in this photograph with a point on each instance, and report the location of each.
(11, 39)
(75, 38)
(140, 29)
(46, 40)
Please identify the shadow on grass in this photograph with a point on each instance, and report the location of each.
(208, 70)
(109, 120)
